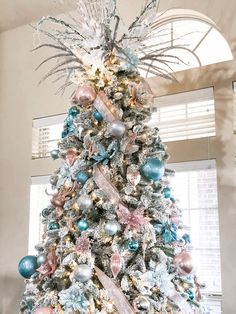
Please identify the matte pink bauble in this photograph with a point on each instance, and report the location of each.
(85, 95)
(44, 310)
(184, 263)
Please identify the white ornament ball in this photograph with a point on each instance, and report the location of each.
(111, 227)
(117, 128)
(85, 202)
(83, 273)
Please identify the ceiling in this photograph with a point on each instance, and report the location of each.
(19, 12)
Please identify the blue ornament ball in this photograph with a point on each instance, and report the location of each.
(55, 154)
(73, 111)
(69, 120)
(153, 169)
(82, 177)
(133, 245)
(82, 225)
(27, 266)
(167, 191)
(53, 225)
(97, 115)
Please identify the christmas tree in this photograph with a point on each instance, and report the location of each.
(113, 239)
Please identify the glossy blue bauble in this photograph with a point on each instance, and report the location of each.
(55, 154)
(153, 169)
(133, 245)
(82, 225)
(46, 212)
(53, 225)
(167, 192)
(27, 266)
(73, 111)
(82, 177)
(97, 115)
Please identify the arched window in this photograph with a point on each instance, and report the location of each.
(191, 37)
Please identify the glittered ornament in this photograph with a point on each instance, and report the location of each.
(82, 177)
(83, 273)
(73, 111)
(153, 169)
(141, 304)
(82, 225)
(55, 154)
(133, 245)
(27, 266)
(41, 259)
(167, 192)
(85, 202)
(117, 128)
(183, 263)
(133, 175)
(53, 225)
(111, 227)
(70, 157)
(44, 310)
(84, 95)
(116, 264)
(97, 115)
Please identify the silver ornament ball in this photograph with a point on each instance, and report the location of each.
(84, 202)
(117, 128)
(41, 259)
(142, 304)
(111, 227)
(83, 273)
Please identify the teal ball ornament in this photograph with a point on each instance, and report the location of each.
(55, 154)
(64, 133)
(97, 116)
(133, 246)
(46, 212)
(73, 111)
(153, 169)
(82, 177)
(82, 225)
(28, 266)
(167, 191)
(53, 225)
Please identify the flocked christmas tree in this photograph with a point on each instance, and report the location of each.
(113, 240)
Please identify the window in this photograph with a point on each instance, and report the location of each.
(38, 200)
(45, 135)
(188, 35)
(195, 187)
(185, 116)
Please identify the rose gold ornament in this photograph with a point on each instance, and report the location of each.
(84, 95)
(183, 263)
(133, 175)
(116, 264)
(70, 157)
(44, 310)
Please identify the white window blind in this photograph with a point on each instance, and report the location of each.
(38, 201)
(46, 133)
(195, 187)
(185, 116)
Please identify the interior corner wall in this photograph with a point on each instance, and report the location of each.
(21, 99)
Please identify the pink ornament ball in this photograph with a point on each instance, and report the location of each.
(183, 263)
(84, 95)
(44, 310)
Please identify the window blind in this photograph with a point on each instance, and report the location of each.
(46, 132)
(185, 116)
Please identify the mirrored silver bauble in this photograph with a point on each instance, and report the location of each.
(141, 304)
(85, 202)
(117, 128)
(83, 273)
(111, 227)
(41, 259)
